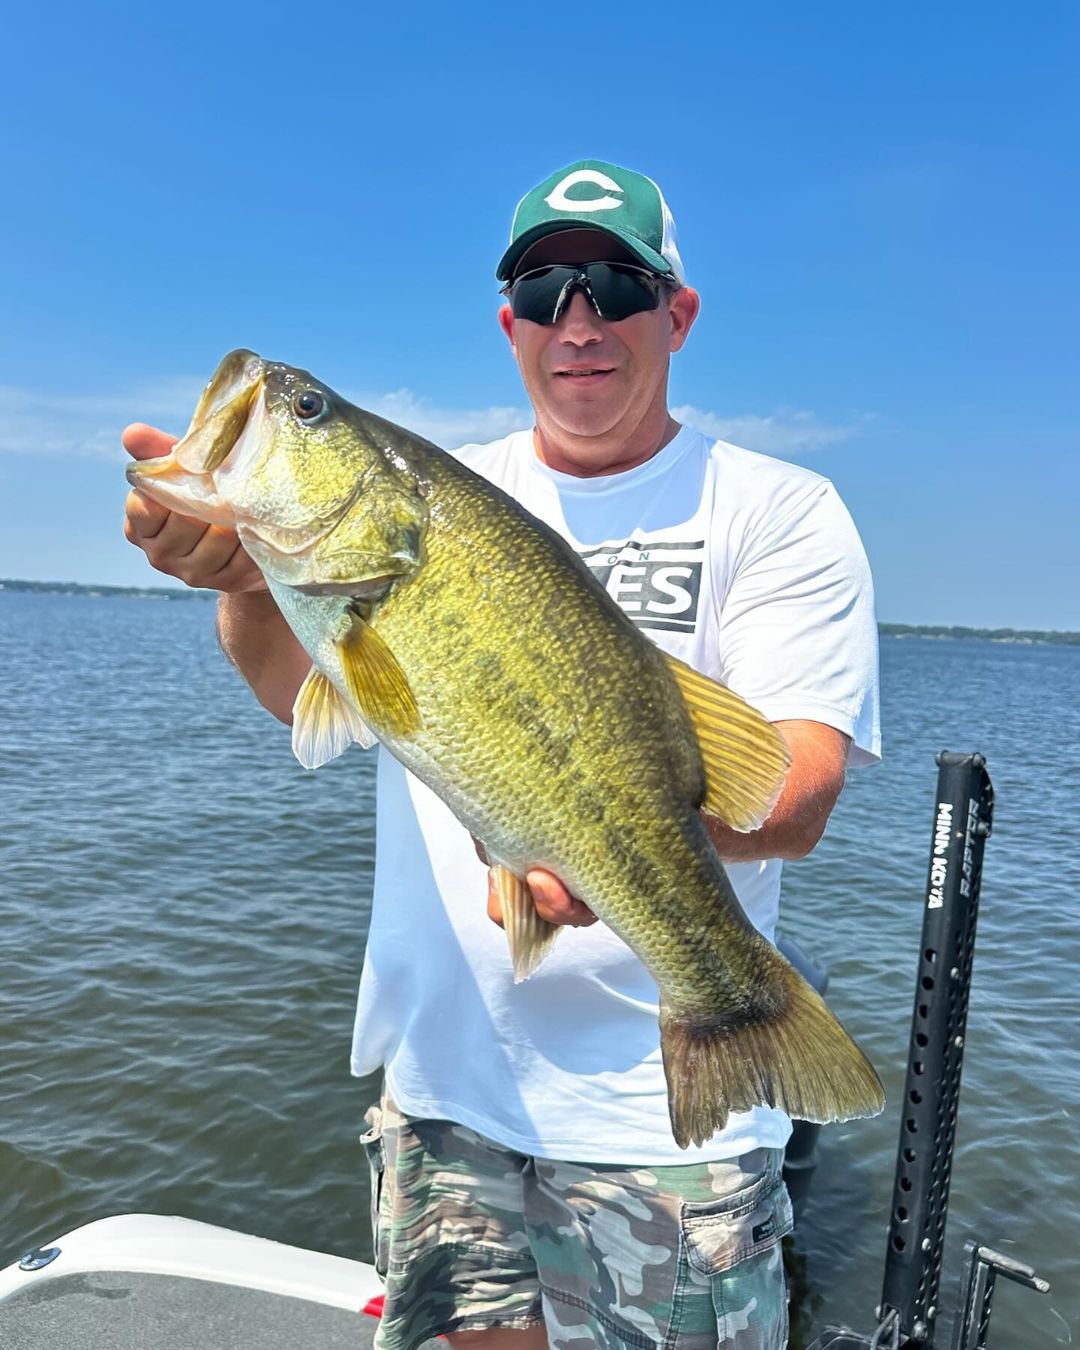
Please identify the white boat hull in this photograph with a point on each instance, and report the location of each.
(150, 1282)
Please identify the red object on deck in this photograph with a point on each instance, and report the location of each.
(374, 1306)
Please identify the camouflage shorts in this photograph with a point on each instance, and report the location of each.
(469, 1235)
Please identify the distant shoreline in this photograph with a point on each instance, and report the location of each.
(126, 592)
(1022, 636)
(1028, 637)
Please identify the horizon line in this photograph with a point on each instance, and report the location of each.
(203, 593)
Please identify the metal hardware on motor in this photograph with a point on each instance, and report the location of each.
(890, 1326)
(38, 1258)
(977, 1290)
(885, 1337)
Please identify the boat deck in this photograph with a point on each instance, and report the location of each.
(123, 1310)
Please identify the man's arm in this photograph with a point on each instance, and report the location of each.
(251, 629)
(261, 645)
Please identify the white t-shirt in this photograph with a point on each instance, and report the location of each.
(750, 570)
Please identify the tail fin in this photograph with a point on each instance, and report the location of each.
(794, 1055)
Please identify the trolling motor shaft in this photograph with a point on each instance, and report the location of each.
(963, 815)
(908, 1312)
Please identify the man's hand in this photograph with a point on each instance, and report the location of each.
(551, 898)
(251, 629)
(198, 554)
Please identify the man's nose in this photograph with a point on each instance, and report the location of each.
(579, 323)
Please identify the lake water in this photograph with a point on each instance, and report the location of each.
(184, 913)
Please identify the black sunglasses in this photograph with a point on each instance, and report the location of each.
(615, 290)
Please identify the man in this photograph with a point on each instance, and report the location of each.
(526, 1187)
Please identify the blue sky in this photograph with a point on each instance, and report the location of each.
(878, 205)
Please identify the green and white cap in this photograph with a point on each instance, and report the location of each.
(597, 196)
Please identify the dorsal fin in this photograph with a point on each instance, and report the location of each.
(744, 756)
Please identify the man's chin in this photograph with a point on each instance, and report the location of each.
(587, 412)
(586, 424)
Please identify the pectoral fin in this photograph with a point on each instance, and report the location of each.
(744, 756)
(324, 723)
(376, 681)
(530, 936)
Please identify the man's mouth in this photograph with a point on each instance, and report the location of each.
(583, 372)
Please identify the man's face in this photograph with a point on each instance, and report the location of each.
(586, 376)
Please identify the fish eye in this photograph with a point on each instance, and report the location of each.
(309, 405)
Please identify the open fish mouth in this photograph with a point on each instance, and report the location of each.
(222, 413)
(183, 479)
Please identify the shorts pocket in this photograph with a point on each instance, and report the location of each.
(372, 1142)
(718, 1234)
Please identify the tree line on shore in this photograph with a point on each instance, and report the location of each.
(1021, 635)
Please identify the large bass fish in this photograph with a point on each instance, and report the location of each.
(444, 620)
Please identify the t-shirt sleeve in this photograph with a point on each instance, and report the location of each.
(798, 633)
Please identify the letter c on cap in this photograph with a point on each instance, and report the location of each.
(559, 201)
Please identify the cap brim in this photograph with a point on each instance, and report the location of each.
(649, 257)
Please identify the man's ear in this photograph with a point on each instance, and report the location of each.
(683, 309)
(506, 323)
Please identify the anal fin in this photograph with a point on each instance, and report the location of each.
(530, 936)
(325, 723)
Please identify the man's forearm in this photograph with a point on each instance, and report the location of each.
(260, 644)
(786, 834)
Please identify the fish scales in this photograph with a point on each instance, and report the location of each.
(501, 779)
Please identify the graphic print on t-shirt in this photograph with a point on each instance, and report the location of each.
(655, 582)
